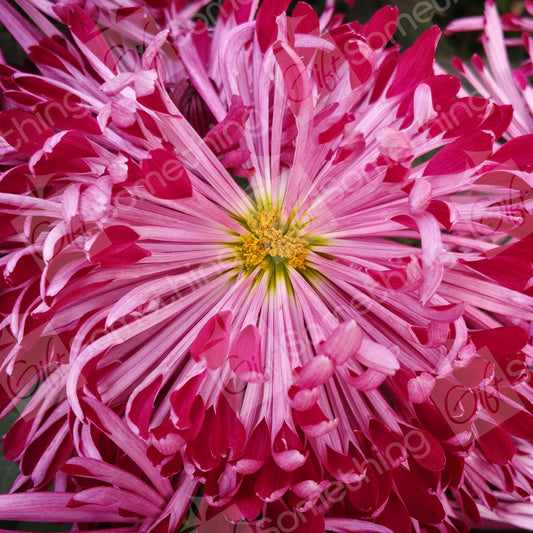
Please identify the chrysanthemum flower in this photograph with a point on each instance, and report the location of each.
(258, 265)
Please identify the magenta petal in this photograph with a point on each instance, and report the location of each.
(516, 154)
(345, 468)
(415, 64)
(496, 444)
(381, 27)
(314, 422)
(461, 155)
(273, 482)
(245, 355)
(257, 450)
(141, 405)
(421, 505)
(24, 131)
(287, 450)
(266, 26)
(295, 75)
(91, 41)
(164, 176)
(212, 343)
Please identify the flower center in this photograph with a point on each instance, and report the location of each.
(271, 242)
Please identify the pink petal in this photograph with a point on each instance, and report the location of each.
(343, 343)
(314, 373)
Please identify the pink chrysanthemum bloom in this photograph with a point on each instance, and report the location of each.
(499, 80)
(258, 265)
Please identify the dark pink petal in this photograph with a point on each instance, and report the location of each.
(350, 149)
(464, 116)
(499, 120)
(164, 176)
(364, 494)
(421, 505)
(304, 20)
(361, 61)
(227, 135)
(390, 444)
(381, 27)
(207, 449)
(505, 340)
(495, 443)
(295, 75)
(443, 89)
(231, 426)
(23, 99)
(91, 40)
(517, 423)
(510, 265)
(468, 505)
(416, 63)
(247, 501)
(115, 246)
(287, 449)
(245, 355)
(424, 448)
(257, 450)
(433, 420)
(346, 468)
(235, 158)
(272, 483)
(515, 154)
(24, 131)
(444, 212)
(266, 26)
(384, 74)
(67, 115)
(212, 343)
(141, 405)
(395, 516)
(461, 155)
(335, 127)
(314, 422)
(187, 411)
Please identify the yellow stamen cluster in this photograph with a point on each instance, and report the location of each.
(269, 240)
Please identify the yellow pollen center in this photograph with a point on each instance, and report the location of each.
(268, 240)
